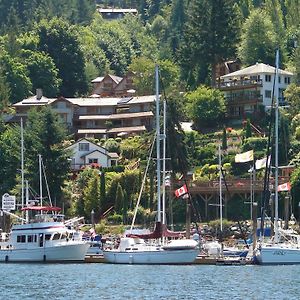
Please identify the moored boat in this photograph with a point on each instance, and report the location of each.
(44, 239)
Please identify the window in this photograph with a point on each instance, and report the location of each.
(93, 160)
(268, 78)
(21, 239)
(84, 146)
(279, 79)
(47, 237)
(287, 80)
(56, 236)
(268, 94)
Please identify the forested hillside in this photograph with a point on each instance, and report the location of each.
(61, 48)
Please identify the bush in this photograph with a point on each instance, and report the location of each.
(255, 144)
(115, 219)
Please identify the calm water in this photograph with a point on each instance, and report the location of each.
(103, 281)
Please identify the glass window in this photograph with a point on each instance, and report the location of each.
(268, 78)
(84, 146)
(29, 238)
(56, 236)
(47, 237)
(268, 94)
(93, 160)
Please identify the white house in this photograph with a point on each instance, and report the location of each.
(247, 88)
(85, 152)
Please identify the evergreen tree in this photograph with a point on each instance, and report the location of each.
(119, 199)
(102, 190)
(44, 134)
(258, 41)
(210, 37)
(224, 139)
(91, 196)
(248, 130)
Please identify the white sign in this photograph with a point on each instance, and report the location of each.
(8, 202)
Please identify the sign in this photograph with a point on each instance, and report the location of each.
(8, 202)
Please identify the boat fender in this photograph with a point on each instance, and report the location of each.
(44, 258)
(6, 258)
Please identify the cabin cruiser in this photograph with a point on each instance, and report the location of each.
(45, 238)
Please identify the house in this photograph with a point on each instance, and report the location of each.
(116, 13)
(249, 88)
(111, 85)
(86, 153)
(96, 117)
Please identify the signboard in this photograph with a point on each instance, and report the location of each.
(8, 202)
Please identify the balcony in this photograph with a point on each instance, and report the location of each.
(243, 99)
(239, 84)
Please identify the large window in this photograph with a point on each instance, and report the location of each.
(268, 94)
(93, 160)
(268, 78)
(287, 80)
(84, 146)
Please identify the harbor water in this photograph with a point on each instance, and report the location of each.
(104, 281)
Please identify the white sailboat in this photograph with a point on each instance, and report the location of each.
(284, 248)
(154, 248)
(43, 237)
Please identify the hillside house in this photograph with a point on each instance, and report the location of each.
(111, 85)
(247, 89)
(86, 153)
(116, 13)
(96, 117)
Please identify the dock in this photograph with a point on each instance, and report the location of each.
(200, 260)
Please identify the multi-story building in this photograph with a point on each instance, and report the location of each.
(247, 89)
(95, 116)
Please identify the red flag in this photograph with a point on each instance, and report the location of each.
(285, 187)
(181, 191)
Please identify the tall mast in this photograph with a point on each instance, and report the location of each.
(41, 184)
(157, 145)
(276, 146)
(220, 188)
(22, 168)
(164, 163)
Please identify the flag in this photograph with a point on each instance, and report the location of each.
(261, 163)
(181, 191)
(285, 187)
(244, 157)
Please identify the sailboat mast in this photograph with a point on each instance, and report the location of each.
(41, 185)
(22, 168)
(220, 189)
(157, 145)
(276, 146)
(164, 163)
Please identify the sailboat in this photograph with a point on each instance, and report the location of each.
(283, 248)
(154, 248)
(43, 236)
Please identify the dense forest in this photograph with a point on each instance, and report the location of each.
(61, 48)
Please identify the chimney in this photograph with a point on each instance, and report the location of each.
(39, 94)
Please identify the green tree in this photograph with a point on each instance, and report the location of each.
(292, 96)
(119, 199)
(206, 107)
(102, 190)
(224, 139)
(258, 42)
(91, 196)
(16, 77)
(57, 38)
(42, 72)
(44, 134)
(248, 130)
(210, 37)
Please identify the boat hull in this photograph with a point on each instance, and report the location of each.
(186, 256)
(276, 255)
(61, 253)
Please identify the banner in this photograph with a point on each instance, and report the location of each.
(181, 191)
(261, 163)
(285, 187)
(244, 157)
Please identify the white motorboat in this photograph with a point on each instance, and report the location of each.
(44, 239)
(154, 248)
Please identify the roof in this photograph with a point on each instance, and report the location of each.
(117, 10)
(85, 101)
(109, 154)
(127, 129)
(258, 68)
(98, 79)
